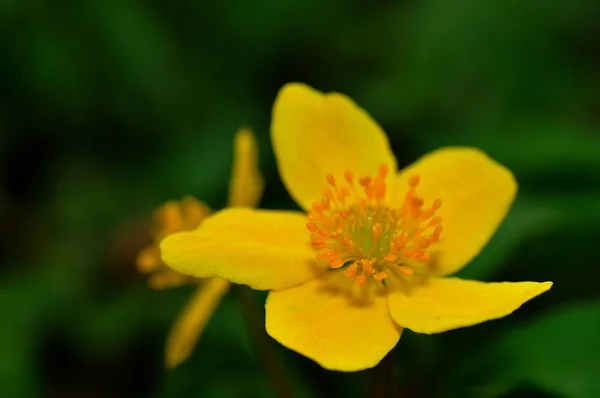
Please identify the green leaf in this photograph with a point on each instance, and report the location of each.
(526, 218)
(558, 354)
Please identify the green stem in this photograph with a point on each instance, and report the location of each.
(256, 326)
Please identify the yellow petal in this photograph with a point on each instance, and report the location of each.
(476, 194)
(191, 321)
(315, 134)
(260, 248)
(333, 321)
(433, 305)
(246, 184)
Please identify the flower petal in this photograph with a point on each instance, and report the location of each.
(175, 216)
(315, 134)
(167, 278)
(333, 321)
(476, 194)
(246, 184)
(191, 321)
(434, 305)
(260, 248)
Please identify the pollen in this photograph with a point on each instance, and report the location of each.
(354, 227)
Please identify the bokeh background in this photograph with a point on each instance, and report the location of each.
(108, 109)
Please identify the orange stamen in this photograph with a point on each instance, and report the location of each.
(312, 227)
(348, 176)
(364, 181)
(390, 258)
(326, 253)
(317, 240)
(405, 270)
(361, 279)
(331, 179)
(351, 270)
(380, 276)
(355, 228)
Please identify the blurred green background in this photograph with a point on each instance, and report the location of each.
(108, 109)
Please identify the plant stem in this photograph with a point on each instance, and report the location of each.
(255, 324)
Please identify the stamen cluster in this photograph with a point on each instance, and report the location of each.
(353, 227)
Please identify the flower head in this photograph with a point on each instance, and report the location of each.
(371, 254)
(173, 216)
(188, 214)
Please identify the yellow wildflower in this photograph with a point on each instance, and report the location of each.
(245, 190)
(371, 256)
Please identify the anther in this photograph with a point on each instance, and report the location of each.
(312, 227)
(317, 240)
(403, 236)
(349, 243)
(324, 233)
(348, 176)
(390, 258)
(424, 258)
(380, 276)
(415, 201)
(376, 231)
(408, 252)
(330, 179)
(417, 254)
(435, 221)
(364, 181)
(396, 246)
(405, 270)
(361, 279)
(326, 253)
(367, 266)
(414, 181)
(335, 234)
(436, 233)
(351, 270)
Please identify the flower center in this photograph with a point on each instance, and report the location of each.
(353, 227)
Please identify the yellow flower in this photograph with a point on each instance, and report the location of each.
(245, 190)
(371, 256)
